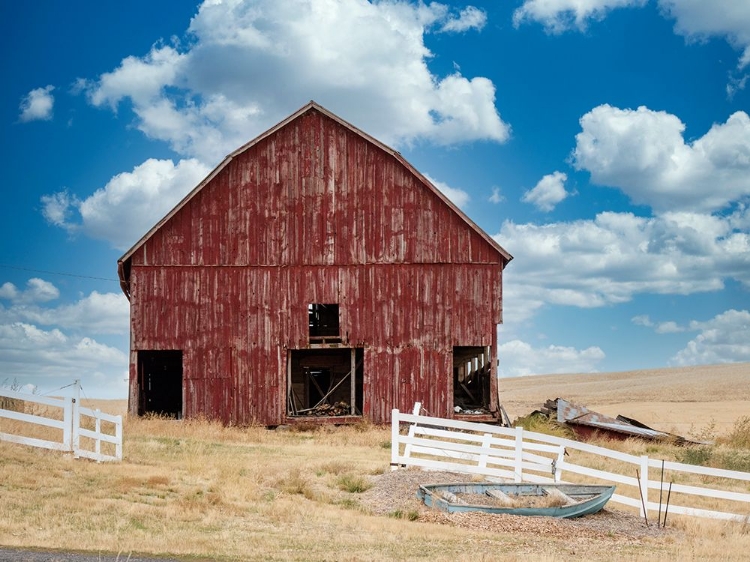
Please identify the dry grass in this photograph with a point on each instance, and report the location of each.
(198, 489)
(675, 400)
(667, 452)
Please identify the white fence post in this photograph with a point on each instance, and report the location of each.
(68, 424)
(118, 437)
(395, 423)
(559, 464)
(98, 446)
(76, 418)
(518, 466)
(412, 428)
(644, 484)
(486, 444)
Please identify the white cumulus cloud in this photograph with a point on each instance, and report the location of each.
(37, 105)
(694, 19)
(548, 192)
(97, 313)
(644, 153)
(497, 196)
(247, 61)
(698, 19)
(141, 79)
(468, 18)
(241, 71)
(49, 345)
(518, 358)
(723, 339)
(458, 197)
(591, 263)
(669, 327)
(37, 290)
(50, 359)
(558, 16)
(130, 204)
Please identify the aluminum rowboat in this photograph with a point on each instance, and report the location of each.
(542, 500)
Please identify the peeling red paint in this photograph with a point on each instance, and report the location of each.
(313, 212)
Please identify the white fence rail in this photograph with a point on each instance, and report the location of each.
(74, 418)
(513, 453)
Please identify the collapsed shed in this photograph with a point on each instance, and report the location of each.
(587, 423)
(314, 271)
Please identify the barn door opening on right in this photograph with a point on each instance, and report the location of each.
(471, 379)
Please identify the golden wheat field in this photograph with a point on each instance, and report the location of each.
(195, 490)
(678, 400)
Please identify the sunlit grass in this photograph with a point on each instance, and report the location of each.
(197, 488)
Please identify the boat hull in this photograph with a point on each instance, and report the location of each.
(580, 499)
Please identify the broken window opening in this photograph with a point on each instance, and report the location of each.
(325, 382)
(323, 322)
(471, 379)
(160, 383)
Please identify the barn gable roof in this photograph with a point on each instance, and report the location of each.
(123, 264)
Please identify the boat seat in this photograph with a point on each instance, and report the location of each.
(500, 495)
(451, 497)
(562, 496)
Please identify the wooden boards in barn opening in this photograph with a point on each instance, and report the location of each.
(325, 381)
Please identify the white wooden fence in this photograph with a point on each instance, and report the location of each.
(73, 415)
(513, 453)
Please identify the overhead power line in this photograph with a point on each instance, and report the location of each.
(58, 273)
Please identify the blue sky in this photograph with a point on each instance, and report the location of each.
(605, 144)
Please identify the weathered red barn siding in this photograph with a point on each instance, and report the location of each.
(313, 213)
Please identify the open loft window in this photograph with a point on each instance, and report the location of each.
(325, 382)
(471, 379)
(323, 321)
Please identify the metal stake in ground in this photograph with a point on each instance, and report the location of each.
(640, 490)
(661, 490)
(666, 509)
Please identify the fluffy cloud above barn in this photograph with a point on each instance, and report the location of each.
(206, 97)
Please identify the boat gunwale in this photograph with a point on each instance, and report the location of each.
(593, 499)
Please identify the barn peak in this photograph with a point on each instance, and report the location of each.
(311, 106)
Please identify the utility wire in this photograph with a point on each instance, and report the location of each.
(58, 273)
(56, 389)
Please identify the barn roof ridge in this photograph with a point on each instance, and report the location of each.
(312, 105)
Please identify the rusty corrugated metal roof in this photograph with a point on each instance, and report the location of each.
(570, 413)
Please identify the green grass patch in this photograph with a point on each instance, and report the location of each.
(732, 460)
(539, 423)
(698, 455)
(411, 515)
(740, 434)
(354, 484)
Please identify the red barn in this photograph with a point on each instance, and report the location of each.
(314, 275)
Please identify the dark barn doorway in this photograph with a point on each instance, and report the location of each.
(160, 383)
(471, 379)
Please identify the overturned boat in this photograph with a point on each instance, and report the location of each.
(542, 500)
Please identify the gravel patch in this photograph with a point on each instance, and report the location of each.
(395, 492)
